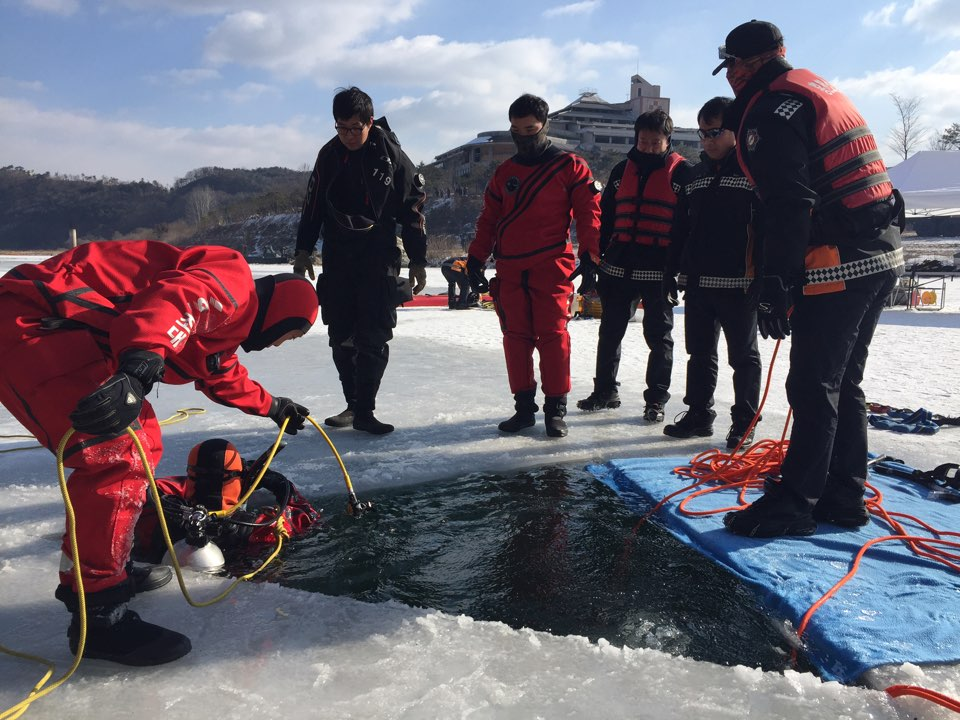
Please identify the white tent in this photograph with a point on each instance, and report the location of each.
(929, 182)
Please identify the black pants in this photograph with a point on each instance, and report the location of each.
(619, 297)
(706, 313)
(357, 290)
(828, 355)
(458, 287)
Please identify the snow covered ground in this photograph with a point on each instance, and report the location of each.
(273, 651)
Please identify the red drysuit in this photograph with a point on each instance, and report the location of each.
(525, 224)
(65, 322)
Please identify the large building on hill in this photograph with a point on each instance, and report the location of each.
(588, 123)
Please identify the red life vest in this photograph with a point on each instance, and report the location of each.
(846, 165)
(647, 218)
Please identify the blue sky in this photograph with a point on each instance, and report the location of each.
(154, 88)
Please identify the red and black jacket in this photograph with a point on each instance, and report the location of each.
(638, 210)
(818, 174)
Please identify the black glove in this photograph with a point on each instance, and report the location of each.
(113, 406)
(670, 289)
(303, 263)
(475, 272)
(235, 529)
(274, 482)
(587, 272)
(773, 303)
(283, 408)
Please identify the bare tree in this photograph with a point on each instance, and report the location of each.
(908, 133)
(200, 202)
(949, 139)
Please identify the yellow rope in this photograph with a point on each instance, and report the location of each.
(179, 416)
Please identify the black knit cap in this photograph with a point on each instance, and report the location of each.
(749, 39)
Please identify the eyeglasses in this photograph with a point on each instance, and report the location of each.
(349, 129)
(712, 133)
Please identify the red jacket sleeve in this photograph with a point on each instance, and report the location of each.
(585, 198)
(486, 232)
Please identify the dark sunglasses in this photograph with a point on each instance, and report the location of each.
(712, 133)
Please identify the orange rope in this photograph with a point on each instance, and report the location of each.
(714, 470)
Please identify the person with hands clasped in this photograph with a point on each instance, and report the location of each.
(715, 251)
(84, 337)
(831, 250)
(525, 225)
(637, 225)
(362, 187)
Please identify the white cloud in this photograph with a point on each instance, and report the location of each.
(185, 77)
(298, 38)
(33, 86)
(578, 8)
(64, 8)
(940, 18)
(73, 142)
(250, 91)
(937, 87)
(880, 18)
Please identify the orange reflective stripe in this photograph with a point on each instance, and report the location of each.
(823, 256)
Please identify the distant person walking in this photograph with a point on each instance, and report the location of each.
(362, 186)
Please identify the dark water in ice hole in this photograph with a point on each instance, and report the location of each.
(550, 549)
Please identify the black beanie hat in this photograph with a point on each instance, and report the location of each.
(286, 302)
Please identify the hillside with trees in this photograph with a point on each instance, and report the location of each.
(255, 211)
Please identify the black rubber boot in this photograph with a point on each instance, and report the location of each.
(343, 419)
(345, 360)
(366, 422)
(695, 422)
(148, 577)
(777, 512)
(119, 635)
(554, 408)
(526, 412)
(600, 399)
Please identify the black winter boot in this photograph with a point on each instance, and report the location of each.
(148, 577)
(554, 408)
(366, 422)
(600, 399)
(526, 407)
(119, 635)
(695, 422)
(343, 419)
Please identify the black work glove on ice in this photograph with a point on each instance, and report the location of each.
(475, 272)
(773, 303)
(282, 408)
(113, 406)
(587, 272)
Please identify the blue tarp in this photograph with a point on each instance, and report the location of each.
(898, 608)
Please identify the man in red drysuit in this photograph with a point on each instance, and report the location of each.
(84, 336)
(525, 224)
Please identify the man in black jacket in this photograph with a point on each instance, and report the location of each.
(362, 186)
(832, 252)
(638, 209)
(715, 253)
